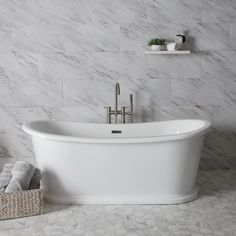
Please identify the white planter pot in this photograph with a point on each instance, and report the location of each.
(156, 47)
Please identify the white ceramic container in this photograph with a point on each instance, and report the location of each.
(143, 163)
(171, 46)
(156, 47)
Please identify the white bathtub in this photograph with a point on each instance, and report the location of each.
(143, 163)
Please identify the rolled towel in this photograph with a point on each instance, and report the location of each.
(35, 181)
(22, 173)
(5, 176)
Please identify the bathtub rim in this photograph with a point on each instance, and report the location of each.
(65, 138)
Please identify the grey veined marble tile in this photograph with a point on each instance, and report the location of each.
(65, 66)
(149, 98)
(172, 112)
(18, 66)
(134, 66)
(198, 91)
(174, 11)
(106, 12)
(30, 93)
(232, 33)
(12, 118)
(84, 114)
(38, 37)
(17, 146)
(211, 36)
(92, 37)
(219, 64)
(44, 11)
(221, 143)
(231, 92)
(14, 142)
(188, 66)
(220, 149)
(218, 11)
(155, 93)
(224, 117)
(90, 93)
(119, 66)
(107, 66)
(134, 36)
(5, 37)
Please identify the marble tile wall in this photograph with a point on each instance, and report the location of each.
(60, 60)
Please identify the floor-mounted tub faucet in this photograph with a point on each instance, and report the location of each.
(120, 112)
(117, 92)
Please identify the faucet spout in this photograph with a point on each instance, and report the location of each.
(118, 88)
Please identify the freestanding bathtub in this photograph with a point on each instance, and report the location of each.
(143, 163)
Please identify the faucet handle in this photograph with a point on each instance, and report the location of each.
(131, 102)
(123, 109)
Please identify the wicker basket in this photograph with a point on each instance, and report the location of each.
(21, 204)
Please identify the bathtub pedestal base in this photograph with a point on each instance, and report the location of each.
(123, 199)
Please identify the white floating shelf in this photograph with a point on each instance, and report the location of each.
(179, 52)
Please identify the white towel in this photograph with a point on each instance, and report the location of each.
(35, 181)
(5, 176)
(22, 173)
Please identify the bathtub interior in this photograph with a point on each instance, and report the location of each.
(136, 130)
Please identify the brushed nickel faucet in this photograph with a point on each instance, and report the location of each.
(120, 112)
(117, 92)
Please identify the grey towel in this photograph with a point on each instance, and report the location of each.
(22, 173)
(5, 176)
(35, 181)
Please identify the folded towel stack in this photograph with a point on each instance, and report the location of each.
(20, 176)
(5, 177)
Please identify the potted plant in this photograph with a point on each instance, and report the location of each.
(156, 44)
